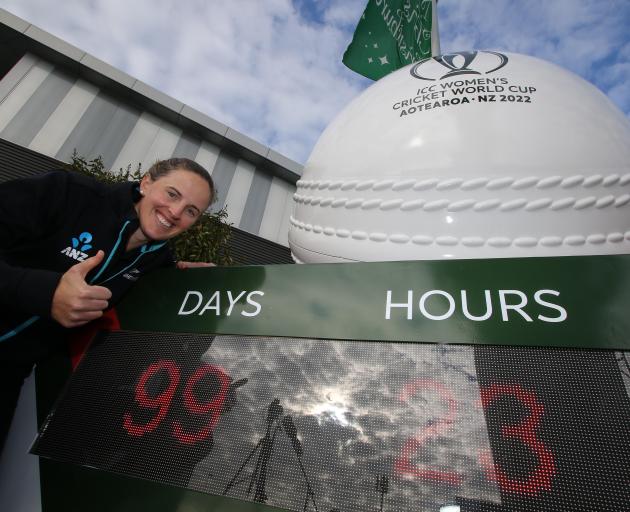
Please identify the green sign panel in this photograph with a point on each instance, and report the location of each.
(579, 302)
(301, 387)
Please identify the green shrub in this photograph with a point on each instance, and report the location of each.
(207, 240)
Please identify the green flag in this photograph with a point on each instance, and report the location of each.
(390, 35)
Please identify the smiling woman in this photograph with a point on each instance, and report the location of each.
(175, 193)
(72, 246)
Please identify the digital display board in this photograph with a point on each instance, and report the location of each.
(320, 424)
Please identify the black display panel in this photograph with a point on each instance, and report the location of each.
(350, 425)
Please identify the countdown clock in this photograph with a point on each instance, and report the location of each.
(305, 423)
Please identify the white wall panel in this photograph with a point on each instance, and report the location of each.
(239, 189)
(163, 145)
(207, 155)
(139, 142)
(65, 117)
(274, 209)
(20, 94)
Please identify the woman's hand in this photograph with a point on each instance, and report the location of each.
(75, 302)
(194, 264)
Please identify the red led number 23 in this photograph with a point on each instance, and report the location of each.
(525, 431)
(162, 402)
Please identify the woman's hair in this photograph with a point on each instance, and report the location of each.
(164, 167)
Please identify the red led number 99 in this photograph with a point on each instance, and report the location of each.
(161, 402)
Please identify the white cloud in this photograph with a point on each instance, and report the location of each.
(272, 69)
(345, 13)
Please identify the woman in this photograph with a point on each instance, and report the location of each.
(70, 247)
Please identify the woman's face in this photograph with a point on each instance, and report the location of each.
(171, 203)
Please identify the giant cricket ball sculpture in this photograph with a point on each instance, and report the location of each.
(470, 155)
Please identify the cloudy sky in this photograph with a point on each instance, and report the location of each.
(272, 68)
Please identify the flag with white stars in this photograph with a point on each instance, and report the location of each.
(390, 35)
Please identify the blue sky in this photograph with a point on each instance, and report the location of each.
(272, 68)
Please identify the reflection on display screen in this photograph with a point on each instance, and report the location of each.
(306, 424)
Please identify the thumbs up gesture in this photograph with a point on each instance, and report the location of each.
(75, 302)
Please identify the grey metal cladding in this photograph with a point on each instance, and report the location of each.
(101, 131)
(89, 129)
(256, 202)
(222, 175)
(116, 134)
(25, 125)
(187, 147)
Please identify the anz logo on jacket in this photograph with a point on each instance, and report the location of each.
(79, 245)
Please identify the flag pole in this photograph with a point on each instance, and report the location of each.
(435, 32)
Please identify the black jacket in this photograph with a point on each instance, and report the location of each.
(48, 224)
